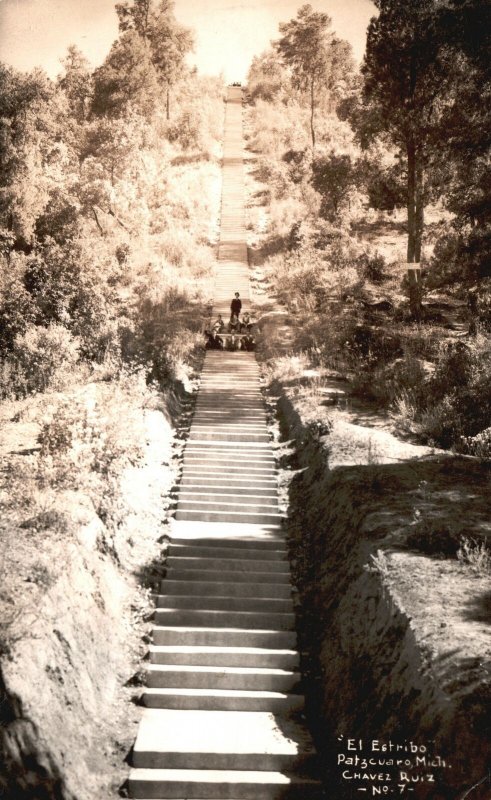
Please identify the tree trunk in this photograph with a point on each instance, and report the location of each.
(411, 201)
(312, 112)
(101, 229)
(419, 210)
(167, 103)
(415, 219)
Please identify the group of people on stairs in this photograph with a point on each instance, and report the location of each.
(239, 329)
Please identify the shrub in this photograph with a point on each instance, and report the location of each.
(82, 442)
(43, 358)
(186, 130)
(122, 253)
(17, 308)
(284, 216)
(444, 406)
(444, 267)
(478, 445)
(435, 537)
(372, 267)
(400, 383)
(68, 285)
(484, 304)
(475, 555)
(333, 177)
(385, 187)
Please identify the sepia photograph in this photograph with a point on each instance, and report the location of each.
(245, 399)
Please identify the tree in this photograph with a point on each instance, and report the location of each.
(127, 79)
(135, 16)
(266, 78)
(171, 43)
(464, 130)
(332, 176)
(29, 137)
(168, 41)
(403, 77)
(319, 62)
(76, 83)
(384, 181)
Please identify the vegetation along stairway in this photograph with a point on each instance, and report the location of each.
(223, 716)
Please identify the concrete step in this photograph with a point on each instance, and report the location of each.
(223, 637)
(233, 482)
(240, 451)
(179, 572)
(229, 565)
(232, 414)
(199, 602)
(227, 490)
(224, 656)
(230, 417)
(230, 538)
(227, 422)
(227, 516)
(201, 464)
(208, 588)
(226, 447)
(219, 618)
(196, 463)
(223, 700)
(209, 784)
(219, 550)
(165, 676)
(219, 435)
(242, 508)
(233, 391)
(217, 501)
(229, 405)
(221, 740)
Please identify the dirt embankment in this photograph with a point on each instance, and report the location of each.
(394, 622)
(77, 570)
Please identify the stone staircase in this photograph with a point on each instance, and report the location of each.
(223, 702)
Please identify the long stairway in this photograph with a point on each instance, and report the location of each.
(223, 716)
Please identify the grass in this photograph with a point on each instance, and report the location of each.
(475, 556)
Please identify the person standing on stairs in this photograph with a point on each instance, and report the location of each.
(236, 305)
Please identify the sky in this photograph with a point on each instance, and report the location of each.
(228, 33)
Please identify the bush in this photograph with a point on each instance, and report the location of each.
(434, 537)
(445, 410)
(475, 555)
(310, 278)
(372, 268)
(42, 358)
(186, 130)
(478, 445)
(84, 444)
(444, 269)
(385, 187)
(484, 304)
(69, 286)
(17, 308)
(333, 177)
(400, 383)
(166, 331)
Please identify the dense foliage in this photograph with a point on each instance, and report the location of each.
(395, 170)
(106, 202)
